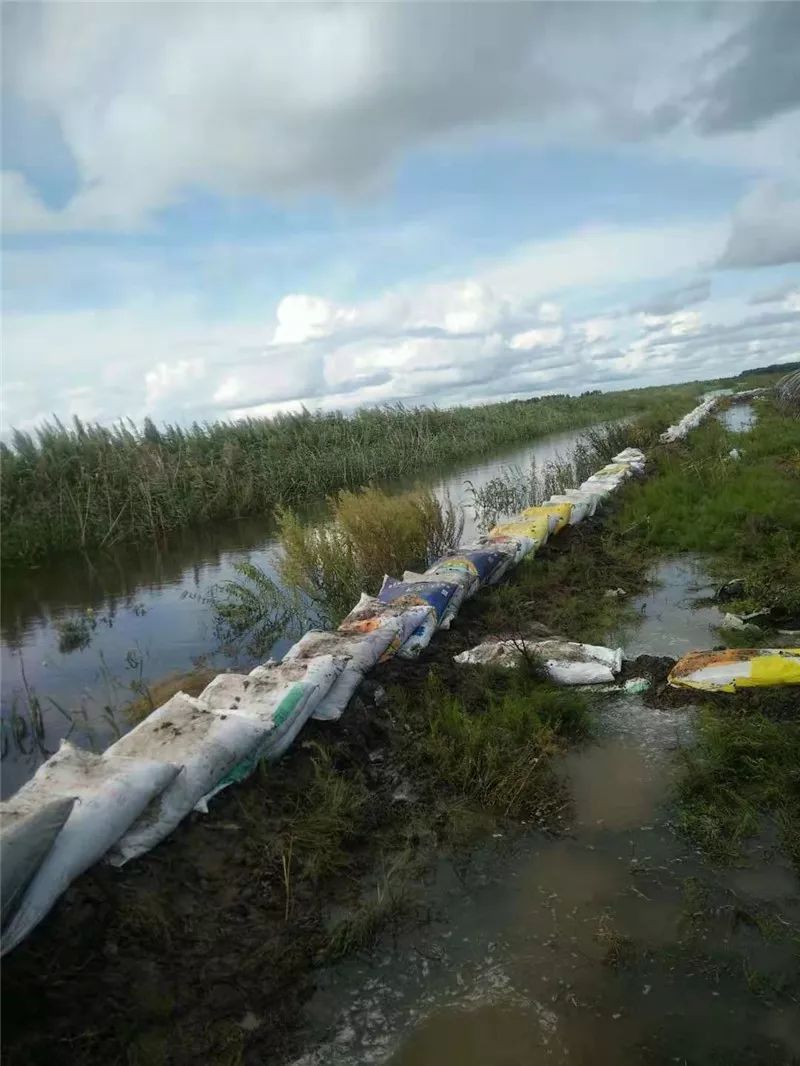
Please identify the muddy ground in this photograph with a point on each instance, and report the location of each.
(199, 951)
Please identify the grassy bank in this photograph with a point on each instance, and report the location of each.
(740, 781)
(91, 486)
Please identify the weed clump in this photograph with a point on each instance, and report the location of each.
(743, 769)
(370, 533)
(496, 755)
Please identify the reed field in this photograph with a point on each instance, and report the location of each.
(90, 486)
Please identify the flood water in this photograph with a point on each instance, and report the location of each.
(151, 618)
(612, 943)
(739, 418)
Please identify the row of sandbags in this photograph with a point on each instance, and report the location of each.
(703, 410)
(80, 807)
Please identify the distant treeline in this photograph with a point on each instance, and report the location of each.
(89, 486)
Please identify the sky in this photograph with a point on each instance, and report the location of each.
(230, 210)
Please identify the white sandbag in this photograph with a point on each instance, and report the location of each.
(566, 662)
(603, 485)
(630, 455)
(280, 696)
(26, 837)
(591, 499)
(110, 792)
(689, 422)
(580, 507)
(205, 745)
(359, 653)
(370, 613)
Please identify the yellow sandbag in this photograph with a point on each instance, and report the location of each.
(614, 470)
(536, 527)
(558, 514)
(735, 668)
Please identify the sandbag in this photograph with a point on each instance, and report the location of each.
(580, 508)
(110, 792)
(534, 527)
(557, 514)
(518, 545)
(439, 595)
(615, 470)
(591, 499)
(370, 613)
(279, 696)
(603, 486)
(26, 837)
(487, 564)
(205, 745)
(359, 653)
(689, 422)
(468, 581)
(564, 661)
(630, 455)
(736, 668)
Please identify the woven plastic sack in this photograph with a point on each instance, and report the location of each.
(206, 747)
(486, 563)
(280, 697)
(110, 792)
(579, 508)
(370, 613)
(536, 527)
(735, 668)
(26, 837)
(518, 545)
(557, 514)
(566, 662)
(359, 653)
(439, 595)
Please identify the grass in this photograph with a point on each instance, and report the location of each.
(743, 769)
(90, 486)
(745, 515)
(490, 744)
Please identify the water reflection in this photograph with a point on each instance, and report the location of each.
(150, 616)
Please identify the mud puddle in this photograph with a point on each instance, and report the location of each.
(739, 418)
(673, 616)
(609, 942)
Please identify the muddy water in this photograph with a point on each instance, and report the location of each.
(151, 619)
(672, 618)
(609, 944)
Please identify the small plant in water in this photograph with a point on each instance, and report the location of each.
(75, 633)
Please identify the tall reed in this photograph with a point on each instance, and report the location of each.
(90, 486)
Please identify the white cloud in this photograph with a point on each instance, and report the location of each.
(302, 317)
(284, 100)
(166, 379)
(765, 230)
(536, 338)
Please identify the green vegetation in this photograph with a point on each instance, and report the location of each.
(325, 568)
(744, 767)
(514, 488)
(490, 744)
(92, 486)
(744, 514)
(370, 533)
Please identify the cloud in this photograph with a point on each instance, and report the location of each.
(667, 303)
(776, 294)
(765, 230)
(280, 101)
(759, 75)
(167, 379)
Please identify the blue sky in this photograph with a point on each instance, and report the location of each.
(221, 210)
